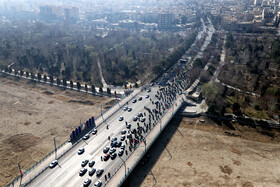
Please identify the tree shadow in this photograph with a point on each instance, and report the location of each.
(145, 165)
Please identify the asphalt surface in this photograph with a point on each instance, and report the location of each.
(66, 173)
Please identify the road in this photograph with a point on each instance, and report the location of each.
(66, 173)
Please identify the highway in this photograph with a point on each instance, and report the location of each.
(67, 172)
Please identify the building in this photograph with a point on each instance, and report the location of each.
(165, 21)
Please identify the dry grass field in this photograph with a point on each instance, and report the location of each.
(191, 153)
(32, 115)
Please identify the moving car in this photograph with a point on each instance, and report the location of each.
(147, 96)
(82, 171)
(98, 183)
(122, 147)
(84, 162)
(81, 151)
(134, 101)
(87, 182)
(113, 156)
(121, 118)
(140, 98)
(91, 172)
(91, 163)
(129, 109)
(122, 137)
(99, 172)
(53, 164)
(86, 137)
(112, 150)
(135, 118)
(128, 125)
(106, 157)
(120, 152)
(125, 108)
(148, 90)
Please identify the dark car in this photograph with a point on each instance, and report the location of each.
(123, 131)
(98, 183)
(135, 118)
(112, 150)
(82, 171)
(140, 114)
(53, 164)
(122, 137)
(87, 182)
(122, 147)
(91, 172)
(128, 125)
(106, 157)
(84, 162)
(125, 108)
(113, 156)
(120, 152)
(90, 164)
(143, 119)
(94, 131)
(129, 109)
(86, 137)
(140, 98)
(134, 101)
(129, 135)
(81, 151)
(106, 149)
(99, 172)
(121, 118)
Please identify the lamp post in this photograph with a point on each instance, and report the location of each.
(55, 148)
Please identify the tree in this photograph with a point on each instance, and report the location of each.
(109, 91)
(32, 76)
(39, 76)
(136, 85)
(27, 74)
(51, 79)
(236, 108)
(71, 84)
(64, 82)
(209, 91)
(100, 90)
(78, 85)
(58, 81)
(92, 88)
(115, 94)
(21, 73)
(86, 88)
(45, 78)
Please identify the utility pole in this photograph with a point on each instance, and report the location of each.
(55, 148)
(124, 166)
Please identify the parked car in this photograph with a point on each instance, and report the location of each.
(99, 172)
(147, 96)
(128, 125)
(135, 118)
(120, 152)
(98, 183)
(140, 114)
(87, 182)
(91, 163)
(122, 137)
(53, 164)
(143, 119)
(129, 109)
(113, 156)
(134, 101)
(81, 151)
(106, 157)
(122, 147)
(140, 98)
(91, 172)
(106, 149)
(125, 108)
(112, 150)
(84, 162)
(82, 171)
(123, 131)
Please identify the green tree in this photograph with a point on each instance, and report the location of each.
(92, 88)
(71, 84)
(78, 85)
(39, 76)
(51, 79)
(100, 90)
(58, 81)
(45, 78)
(86, 88)
(209, 91)
(109, 91)
(64, 82)
(27, 74)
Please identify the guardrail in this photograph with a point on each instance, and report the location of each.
(147, 146)
(61, 145)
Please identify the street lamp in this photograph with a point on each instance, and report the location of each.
(124, 166)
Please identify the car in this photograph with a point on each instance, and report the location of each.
(112, 150)
(119, 144)
(143, 119)
(148, 90)
(140, 114)
(99, 172)
(128, 125)
(147, 96)
(106, 157)
(91, 172)
(98, 183)
(122, 137)
(84, 162)
(106, 149)
(91, 163)
(121, 118)
(81, 151)
(87, 182)
(113, 156)
(125, 108)
(114, 144)
(129, 109)
(135, 118)
(151, 84)
(123, 131)
(114, 139)
(140, 98)
(133, 131)
(122, 147)
(53, 164)
(129, 135)
(134, 101)
(82, 171)
(94, 131)
(120, 153)
(85, 137)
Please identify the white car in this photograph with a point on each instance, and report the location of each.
(53, 164)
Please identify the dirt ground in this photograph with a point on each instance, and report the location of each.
(194, 153)
(32, 115)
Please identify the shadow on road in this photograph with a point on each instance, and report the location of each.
(146, 164)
